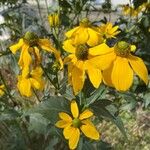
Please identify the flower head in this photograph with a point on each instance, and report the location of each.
(121, 71)
(85, 60)
(108, 31)
(2, 87)
(77, 123)
(85, 33)
(30, 46)
(29, 81)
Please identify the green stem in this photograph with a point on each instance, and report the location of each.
(51, 81)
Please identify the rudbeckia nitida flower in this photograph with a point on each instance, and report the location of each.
(30, 46)
(108, 31)
(85, 33)
(2, 87)
(121, 71)
(76, 124)
(29, 81)
(84, 60)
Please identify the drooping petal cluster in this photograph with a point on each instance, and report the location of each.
(120, 72)
(75, 124)
(30, 59)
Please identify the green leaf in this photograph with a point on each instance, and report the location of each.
(38, 123)
(50, 108)
(146, 99)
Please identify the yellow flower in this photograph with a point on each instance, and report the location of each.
(54, 20)
(108, 31)
(29, 81)
(85, 33)
(30, 44)
(131, 11)
(76, 124)
(2, 87)
(121, 71)
(86, 60)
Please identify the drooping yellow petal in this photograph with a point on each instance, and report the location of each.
(74, 109)
(107, 76)
(86, 114)
(103, 61)
(122, 74)
(17, 46)
(25, 58)
(74, 139)
(24, 87)
(35, 84)
(100, 50)
(71, 32)
(67, 46)
(37, 55)
(62, 124)
(94, 74)
(77, 75)
(139, 67)
(65, 116)
(68, 131)
(94, 37)
(37, 72)
(45, 44)
(89, 130)
(81, 37)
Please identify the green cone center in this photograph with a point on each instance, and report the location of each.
(31, 38)
(122, 49)
(76, 123)
(82, 52)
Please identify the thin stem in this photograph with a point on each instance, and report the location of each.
(48, 77)
(37, 97)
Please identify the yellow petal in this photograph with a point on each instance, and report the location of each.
(67, 46)
(94, 74)
(24, 87)
(17, 46)
(81, 37)
(77, 75)
(107, 76)
(74, 139)
(35, 84)
(37, 72)
(122, 74)
(94, 37)
(86, 114)
(103, 61)
(74, 109)
(68, 131)
(89, 130)
(139, 67)
(65, 116)
(37, 55)
(45, 44)
(100, 50)
(62, 124)
(71, 32)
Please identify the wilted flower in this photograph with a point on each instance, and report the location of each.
(29, 81)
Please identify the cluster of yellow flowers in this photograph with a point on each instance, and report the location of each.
(30, 59)
(134, 12)
(91, 56)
